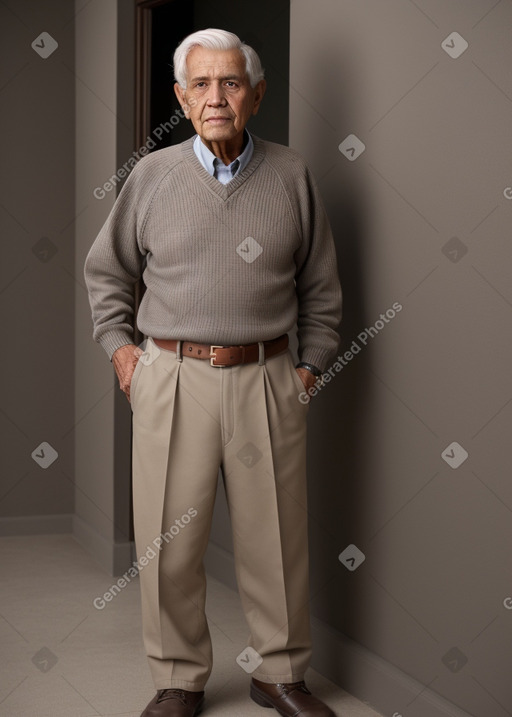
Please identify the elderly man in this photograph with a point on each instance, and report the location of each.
(230, 237)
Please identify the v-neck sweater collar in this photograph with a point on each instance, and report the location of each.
(224, 191)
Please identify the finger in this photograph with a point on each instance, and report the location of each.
(126, 390)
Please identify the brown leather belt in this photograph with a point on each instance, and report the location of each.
(223, 356)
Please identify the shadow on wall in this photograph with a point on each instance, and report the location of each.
(337, 448)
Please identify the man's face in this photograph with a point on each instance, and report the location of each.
(219, 96)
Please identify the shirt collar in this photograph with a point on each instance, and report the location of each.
(208, 159)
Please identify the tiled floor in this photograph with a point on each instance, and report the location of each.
(62, 657)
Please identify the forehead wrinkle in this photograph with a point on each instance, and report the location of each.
(206, 64)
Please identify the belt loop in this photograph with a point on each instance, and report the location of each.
(179, 357)
(261, 353)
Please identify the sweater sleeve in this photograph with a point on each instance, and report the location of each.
(317, 283)
(114, 266)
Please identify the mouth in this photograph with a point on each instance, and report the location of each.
(218, 120)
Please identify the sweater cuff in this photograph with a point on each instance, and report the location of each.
(113, 340)
(315, 356)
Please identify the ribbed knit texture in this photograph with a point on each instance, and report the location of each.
(180, 229)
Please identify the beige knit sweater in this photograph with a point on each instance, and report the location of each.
(222, 264)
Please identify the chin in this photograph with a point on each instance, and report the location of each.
(216, 136)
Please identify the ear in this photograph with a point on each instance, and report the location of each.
(259, 91)
(181, 95)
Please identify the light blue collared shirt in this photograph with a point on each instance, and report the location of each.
(216, 167)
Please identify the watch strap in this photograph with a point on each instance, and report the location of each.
(309, 367)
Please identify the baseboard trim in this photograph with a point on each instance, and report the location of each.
(114, 558)
(36, 524)
(373, 680)
(357, 670)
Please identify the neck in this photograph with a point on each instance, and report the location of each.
(229, 150)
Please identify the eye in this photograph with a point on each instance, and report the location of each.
(231, 84)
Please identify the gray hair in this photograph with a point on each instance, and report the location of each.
(214, 39)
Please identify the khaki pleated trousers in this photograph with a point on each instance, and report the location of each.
(189, 420)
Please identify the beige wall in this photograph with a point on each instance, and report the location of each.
(104, 141)
(37, 282)
(436, 539)
(67, 120)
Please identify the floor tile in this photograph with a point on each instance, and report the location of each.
(63, 657)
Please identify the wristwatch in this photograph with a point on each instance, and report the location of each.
(309, 367)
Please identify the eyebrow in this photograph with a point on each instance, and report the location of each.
(205, 78)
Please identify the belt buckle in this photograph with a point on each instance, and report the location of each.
(212, 358)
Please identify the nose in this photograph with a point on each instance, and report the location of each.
(216, 96)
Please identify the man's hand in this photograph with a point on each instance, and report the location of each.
(124, 360)
(307, 378)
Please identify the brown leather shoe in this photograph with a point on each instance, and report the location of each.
(175, 703)
(291, 699)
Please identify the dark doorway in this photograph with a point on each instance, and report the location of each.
(162, 24)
